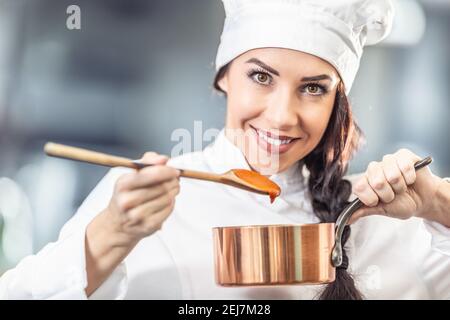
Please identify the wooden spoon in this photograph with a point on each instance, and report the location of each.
(239, 178)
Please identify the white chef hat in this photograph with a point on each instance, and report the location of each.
(334, 30)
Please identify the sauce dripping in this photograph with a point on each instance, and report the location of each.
(259, 182)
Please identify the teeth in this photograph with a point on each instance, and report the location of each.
(273, 141)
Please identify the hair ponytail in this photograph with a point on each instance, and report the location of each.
(327, 165)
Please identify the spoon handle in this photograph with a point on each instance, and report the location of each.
(84, 155)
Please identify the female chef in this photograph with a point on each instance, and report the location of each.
(285, 67)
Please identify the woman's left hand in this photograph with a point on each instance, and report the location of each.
(393, 188)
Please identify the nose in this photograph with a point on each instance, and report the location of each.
(282, 109)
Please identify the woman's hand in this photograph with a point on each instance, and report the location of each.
(141, 202)
(393, 188)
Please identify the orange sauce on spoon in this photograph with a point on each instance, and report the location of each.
(259, 182)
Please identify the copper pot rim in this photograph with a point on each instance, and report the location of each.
(281, 226)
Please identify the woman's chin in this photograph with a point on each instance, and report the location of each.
(269, 167)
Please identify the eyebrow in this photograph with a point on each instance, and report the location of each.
(263, 65)
(317, 78)
(275, 72)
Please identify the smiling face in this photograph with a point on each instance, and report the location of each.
(279, 102)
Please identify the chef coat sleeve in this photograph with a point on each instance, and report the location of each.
(440, 235)
(58, 271)
(435, 266)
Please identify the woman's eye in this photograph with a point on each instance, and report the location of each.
(262, 78)
(314, 89)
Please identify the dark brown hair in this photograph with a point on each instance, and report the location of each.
(327, 165)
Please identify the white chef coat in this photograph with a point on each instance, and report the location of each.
(389, 258)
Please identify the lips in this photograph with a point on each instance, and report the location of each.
(274, 143)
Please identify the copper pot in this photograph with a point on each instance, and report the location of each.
(274, 254)
(277, 254)
(282, 254)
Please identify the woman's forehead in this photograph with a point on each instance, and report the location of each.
(288, 60)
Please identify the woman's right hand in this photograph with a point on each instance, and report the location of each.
(142, 200)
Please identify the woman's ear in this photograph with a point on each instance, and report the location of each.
(221, 80)
(223, 83)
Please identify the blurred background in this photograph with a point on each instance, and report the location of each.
(138, 69)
